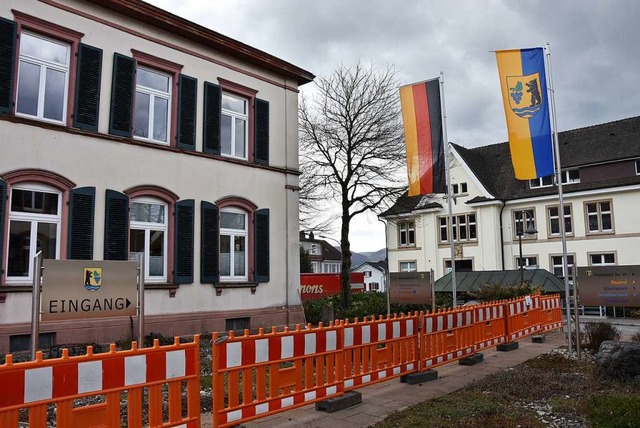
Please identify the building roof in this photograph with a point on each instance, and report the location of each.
(380, 265)
(597, 144)
(164, 20)
(472, 281)
(328, 252)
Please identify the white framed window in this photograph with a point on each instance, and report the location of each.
(314, 249)
(459, 188)
(234, 126)
(602, 259)
(527, 262)
(148, 230)
(34, 225)
(374, 286)
(406, 233)
(599, 217)
(152, 115)
(523, 220)
(330, 267)
(638, 167)
(554, 220)
(233, 245)
(315, 267)
(570, 176)
(367, 274)
(558, 269)
(541, 182)
(43, 78)
(464, 228)
(408, 266)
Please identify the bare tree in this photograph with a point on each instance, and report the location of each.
(352, 149)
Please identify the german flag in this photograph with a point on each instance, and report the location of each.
(422, 118)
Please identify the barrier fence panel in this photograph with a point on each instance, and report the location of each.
(258, 375)
(48, 388)
(491, 325)
(376, 350)
(523, 317)
(551, 312)
(447, 336)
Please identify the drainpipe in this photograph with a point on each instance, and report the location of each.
(502, 234)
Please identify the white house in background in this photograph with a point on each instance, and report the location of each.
(375, 275)
(127, 129)
(323, 256)
(601, 176)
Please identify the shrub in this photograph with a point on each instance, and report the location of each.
(636, 337)
(597, 332)
(489, 292)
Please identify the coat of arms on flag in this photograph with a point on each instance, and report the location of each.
(525, 94)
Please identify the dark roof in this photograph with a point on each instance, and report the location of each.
(152, 15)
(380, 265)
(597, 144)
(406, 203)
(466, 281)
(329, 252)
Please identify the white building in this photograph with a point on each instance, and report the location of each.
(126, 129)
(601, 176)
(375, 275)
(324, 257)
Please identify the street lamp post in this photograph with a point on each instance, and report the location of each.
(530, 230)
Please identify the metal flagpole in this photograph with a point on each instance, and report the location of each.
(35, 304)
(447, 156)
(558, 177)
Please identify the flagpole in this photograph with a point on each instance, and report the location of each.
(447, 157)
(563, 232)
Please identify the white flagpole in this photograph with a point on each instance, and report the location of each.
(447, 157)
(563, 232)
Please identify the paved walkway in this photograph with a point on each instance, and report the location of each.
(382, 399)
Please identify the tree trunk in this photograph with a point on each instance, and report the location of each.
(345, 246)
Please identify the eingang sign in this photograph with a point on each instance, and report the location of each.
(73, 289)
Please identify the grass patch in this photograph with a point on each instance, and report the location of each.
(467, 409)
(560, 387)
(614, 410)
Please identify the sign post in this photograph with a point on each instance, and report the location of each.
(141, 274)
(609, 285)
(411, 287)
(35, 304)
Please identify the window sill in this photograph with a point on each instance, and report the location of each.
(172, 287)
(230, 285)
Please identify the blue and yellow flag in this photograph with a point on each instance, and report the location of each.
(526, 107)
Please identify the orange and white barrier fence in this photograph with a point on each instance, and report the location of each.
(36, 385)
(377, 350)
(446, 336)
(491, 325)
(551, 314)
(259, 375)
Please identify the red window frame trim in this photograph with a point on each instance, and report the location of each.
(250, 208)
(164, 66)
(169, 198)
(53, 31)
(40, 176)
(250, 95)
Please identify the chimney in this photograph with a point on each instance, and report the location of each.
(311, 236)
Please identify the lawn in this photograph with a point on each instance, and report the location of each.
(551, 390)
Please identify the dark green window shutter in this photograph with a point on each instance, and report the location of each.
(212, 109)
(116, 227)
(262, 132)
(262, 245)
(7, 62)
(209, 244)
(3, 200)
(85, 114)
(183, 271)
(122, 91)
(80, 233)
(187, 101)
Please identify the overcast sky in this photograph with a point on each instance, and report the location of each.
(595, 54)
